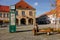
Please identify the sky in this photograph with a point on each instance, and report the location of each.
(42, 6)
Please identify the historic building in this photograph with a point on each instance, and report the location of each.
(43, 19)
(54, 14)
(4, 13)
(25, 13)
(48, 17)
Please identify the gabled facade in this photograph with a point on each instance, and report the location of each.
(25, 13)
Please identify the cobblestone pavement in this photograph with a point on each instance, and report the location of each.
(25, 33)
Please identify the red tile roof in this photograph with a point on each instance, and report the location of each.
(51, 13)
(4, 8)
(58, 2)
(23, 5)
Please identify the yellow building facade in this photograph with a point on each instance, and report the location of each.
(25, 13)
(25, 18)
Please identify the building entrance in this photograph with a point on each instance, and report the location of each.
(23, 21)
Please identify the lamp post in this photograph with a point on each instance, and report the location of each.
(12, 27)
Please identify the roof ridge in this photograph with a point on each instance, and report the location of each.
(23, 3)
(4, 5)
(22, 0)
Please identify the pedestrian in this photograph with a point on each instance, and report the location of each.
(35, 29)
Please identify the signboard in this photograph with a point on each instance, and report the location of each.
(12, 19)
(12, 7)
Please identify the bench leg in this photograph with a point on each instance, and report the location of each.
(48, 33)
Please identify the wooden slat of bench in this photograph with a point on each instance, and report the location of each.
(44, 30)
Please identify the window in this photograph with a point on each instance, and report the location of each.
(0, 14)
(4, 15)
(19, 6)
(30, 13)
(7, 15)
(23, 13)
(26, 7)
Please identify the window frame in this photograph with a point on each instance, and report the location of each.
(23, 13)
(30, 13)
(4, 15)
(0, 14)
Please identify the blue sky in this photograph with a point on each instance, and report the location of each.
(41, 6)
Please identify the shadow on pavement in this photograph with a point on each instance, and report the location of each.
(23, 31)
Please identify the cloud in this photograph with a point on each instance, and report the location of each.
(36, 3)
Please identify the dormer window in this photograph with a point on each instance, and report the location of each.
(26, 7)
(19, 6)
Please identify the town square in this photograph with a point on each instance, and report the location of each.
(30, 20)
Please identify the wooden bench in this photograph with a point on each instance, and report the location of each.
(48, 31)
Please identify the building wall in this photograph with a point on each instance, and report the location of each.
(4, 17)
(19, 16)
(52, 18)
(26, 17)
